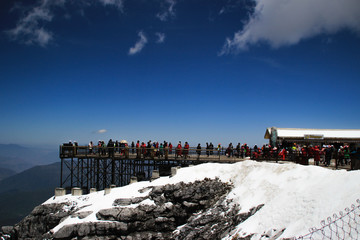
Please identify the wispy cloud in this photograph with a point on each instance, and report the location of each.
(160, 37)
(139, 45)
(117, 3)
(31, 27)
(231, 6)
(283, 23)
(101, 131)
(168, 10)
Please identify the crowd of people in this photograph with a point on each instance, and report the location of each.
(321, 154)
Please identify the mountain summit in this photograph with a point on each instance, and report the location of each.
(208, 201)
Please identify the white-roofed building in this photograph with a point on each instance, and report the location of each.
(312, 136)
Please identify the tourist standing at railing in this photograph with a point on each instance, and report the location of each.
(355, 159)
(99, 147)
(347, 154)
(161, 150)
(198, 151)
(219, 149)
(132, 147)
(117, 146)
(211, 147)
(148, 149)
(178, 150)
(336, 156)
(256, 154)
(75, 147)
(186, 150)
(170, 148)
(341, 155)
(110, 147)
(328, 155)
(238, 150)
(247, 151)
(266, 151)
(152, 151)
(230, 151)
(283, 154)
(91, 145)
(126, 151)
(304, 154)
(310, 151)
(166, 150)
(316, 155)
(138, 153)
(274, 153)
(155, 149)
(143, 146)
(207, 149)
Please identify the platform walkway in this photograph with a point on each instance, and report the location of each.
(102, 167)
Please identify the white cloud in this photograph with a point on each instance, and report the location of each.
(117, 3)
(287, 22)
(168, 10)
(30, 28)
(160, 37)
(139, 45)
(101, 131)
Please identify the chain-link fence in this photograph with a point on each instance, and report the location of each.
(345, 225)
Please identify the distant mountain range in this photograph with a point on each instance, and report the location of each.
(20, 193)
(6, 172)
(26, 180)
(17, 158)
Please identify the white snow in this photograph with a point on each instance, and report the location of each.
(295, 197)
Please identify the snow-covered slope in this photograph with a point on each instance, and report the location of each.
(295, 197)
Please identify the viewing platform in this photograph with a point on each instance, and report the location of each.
(201, 155)
(101, 167)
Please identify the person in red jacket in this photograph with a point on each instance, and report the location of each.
(143, 146)
(283, 154)
(186, 150)
(138, 153)
(316, 152)
(178, 150)
(170, 148)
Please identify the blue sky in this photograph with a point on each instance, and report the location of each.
(196, 71)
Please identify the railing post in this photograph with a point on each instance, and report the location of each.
(112, 170)
(61, 172)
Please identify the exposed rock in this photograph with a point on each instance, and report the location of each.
(41, 220)
(200, 208)
(214, 223)
(7, 229)
(81, 215)
(128, 201)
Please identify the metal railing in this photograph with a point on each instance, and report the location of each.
(345, 225)
(173, 153)
(149, 153)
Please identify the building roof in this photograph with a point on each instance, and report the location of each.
(323, 133)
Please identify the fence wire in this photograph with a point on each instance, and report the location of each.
(345, 225)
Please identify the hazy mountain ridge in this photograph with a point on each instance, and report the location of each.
(21, 192)
(6, 172)
(19, 158)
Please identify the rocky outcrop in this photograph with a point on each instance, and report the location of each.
(41, 220)
(197, 210)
